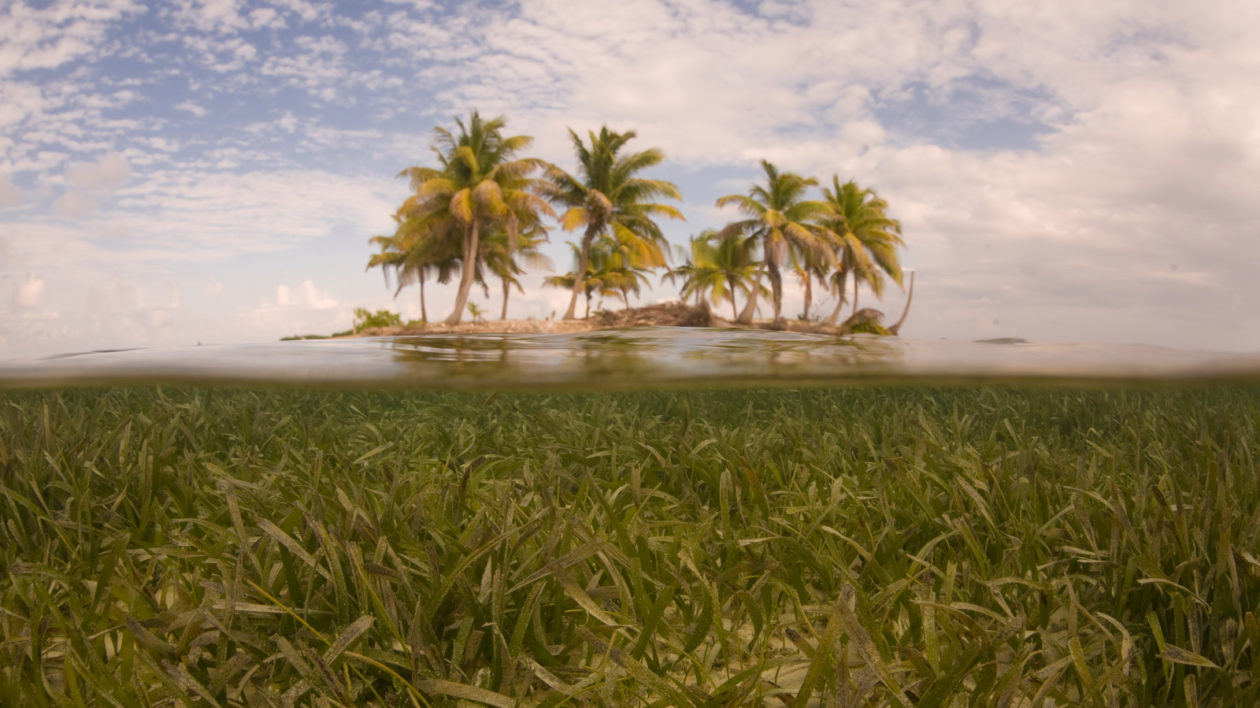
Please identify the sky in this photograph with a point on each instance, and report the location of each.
(210, 171)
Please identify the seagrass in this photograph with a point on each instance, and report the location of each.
(856, 546)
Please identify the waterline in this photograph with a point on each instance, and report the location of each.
(654, 357)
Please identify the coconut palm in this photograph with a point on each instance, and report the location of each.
(413, 255)
(608, 273)
(570, 280)
(502, 261)
(717, 266)
(481, 185)
(700, 277)
(865, 238)
(610, 200)
(625, 265)
(808, 266)
(779, 218)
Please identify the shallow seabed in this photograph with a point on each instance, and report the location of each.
(823, 546)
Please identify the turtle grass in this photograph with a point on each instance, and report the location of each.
(791, 547)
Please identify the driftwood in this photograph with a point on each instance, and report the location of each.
(909, 297)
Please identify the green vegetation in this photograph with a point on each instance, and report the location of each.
(412, 258)
(852, 546)
(501, 258)
(609, 272)
(613, 203)
(780, 220)
(866, 240)
(480, 210)
(718, 267)
(371, 320)
(480, 188)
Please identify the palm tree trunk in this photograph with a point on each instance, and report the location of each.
(584, 262)
(835, 314)
(809, 295)
(776, 290)
(625, 297)
(776, 278)
(424, 315)
(750, 306)
(507, 289)
(856, 282)
(587, 314)
(467, 272)
(731, 283)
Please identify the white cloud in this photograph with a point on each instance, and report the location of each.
(306, 10)
(28, 293)
(304, 309)
(107, 174)
(10, 196)
(221, 214)
(304, 296)
(421, 5)
(265, 17)
(316, 299)
(223, 55)
(48, 37)
(319, 67)
(74, 205)
(21, 101)
(191, 107)
(211, 16)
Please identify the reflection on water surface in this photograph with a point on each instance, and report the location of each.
(633, 358)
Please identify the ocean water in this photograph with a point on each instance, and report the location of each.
(666, 357)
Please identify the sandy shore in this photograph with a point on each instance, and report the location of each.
(673, 314)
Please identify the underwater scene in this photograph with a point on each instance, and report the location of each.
(514, 522)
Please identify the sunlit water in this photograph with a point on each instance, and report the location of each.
(665, 357)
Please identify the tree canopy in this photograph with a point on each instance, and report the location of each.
(607, 198)
(480, 185)
(480, 213)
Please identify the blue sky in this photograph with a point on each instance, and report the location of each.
(211, 170)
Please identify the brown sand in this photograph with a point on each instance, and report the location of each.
(670, 314)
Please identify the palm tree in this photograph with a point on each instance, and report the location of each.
(808, 266)
(719, 266)
(413, 254)
(481, 185)
(502, 261)
(609, 200)
(779, 218)
(865, 238)
(625, 263)
(698, 274)
(608, 273)
(588, 283)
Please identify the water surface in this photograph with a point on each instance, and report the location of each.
(631, 358)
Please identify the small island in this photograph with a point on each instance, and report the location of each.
(384, 323)
(481, 214)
